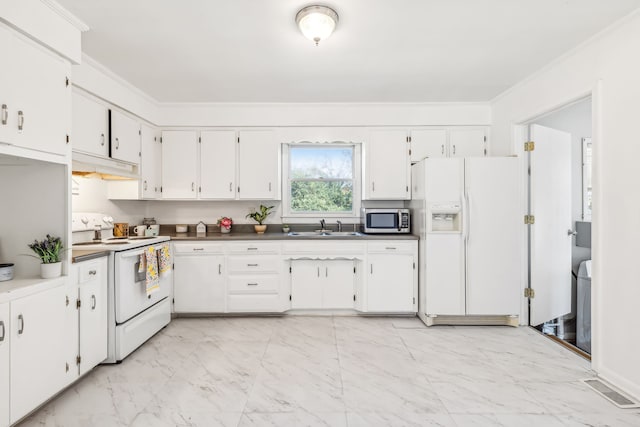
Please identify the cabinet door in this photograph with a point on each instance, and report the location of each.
(466, 143)
(93, 313)
(150, 163)
(125, 138)
(387, 166)
(89, 125)
(43, 98)
(179, 164)
(199, 285)
(390, 285)
(4, 364)
(218, 165)
(428, 143)
(40, 340)
(306, 284)
(338, 284)
(8, 88)
(259, 165)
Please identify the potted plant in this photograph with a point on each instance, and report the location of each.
(48, 251)
(285, 228)
(225, 224)
(259, 217)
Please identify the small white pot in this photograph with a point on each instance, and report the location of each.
(50, 271)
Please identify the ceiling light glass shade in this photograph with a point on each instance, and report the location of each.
(317, 22)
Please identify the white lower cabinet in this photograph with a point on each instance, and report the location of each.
(199, 278)
(92, 282)
(4, 364)
(392, 276)
(44, 339)
(322, 284)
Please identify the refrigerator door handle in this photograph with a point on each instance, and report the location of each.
(468, 212)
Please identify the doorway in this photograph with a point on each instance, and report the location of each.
(560, 194)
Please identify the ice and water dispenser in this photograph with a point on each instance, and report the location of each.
(445, 218)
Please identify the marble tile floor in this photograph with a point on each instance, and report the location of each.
(337, 371)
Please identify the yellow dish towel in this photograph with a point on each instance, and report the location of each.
(149, 265)
(164, 259)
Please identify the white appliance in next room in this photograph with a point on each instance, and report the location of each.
(468, 215)
(133, 316)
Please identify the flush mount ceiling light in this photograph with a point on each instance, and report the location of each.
(317, 22)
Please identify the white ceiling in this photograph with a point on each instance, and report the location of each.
(381, 51)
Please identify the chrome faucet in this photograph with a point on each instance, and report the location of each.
(323, 224)
(339, 223)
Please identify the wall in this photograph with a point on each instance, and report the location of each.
(576, 120)
(607, 66)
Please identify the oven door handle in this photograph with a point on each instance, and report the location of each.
(132, 254)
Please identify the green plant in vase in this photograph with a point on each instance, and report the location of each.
(259, 216)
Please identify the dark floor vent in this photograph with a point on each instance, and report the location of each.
(609, 393)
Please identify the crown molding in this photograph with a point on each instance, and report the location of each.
(68, 16)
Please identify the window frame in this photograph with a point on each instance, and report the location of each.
(302, 217)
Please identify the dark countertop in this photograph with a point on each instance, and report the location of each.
(239, 236)
(78, 255)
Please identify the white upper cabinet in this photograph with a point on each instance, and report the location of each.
(428, 143)
(150, 163)
(387, 169)
(179, 164)
(467, 143)
(125, 138)
(258, 165)
(89, 125)
(34, 96)
(218, 164)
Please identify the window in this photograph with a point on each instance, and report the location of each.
(321, 180)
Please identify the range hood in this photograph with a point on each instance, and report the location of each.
(89, 166)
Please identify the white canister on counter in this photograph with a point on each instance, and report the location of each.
(6, 272)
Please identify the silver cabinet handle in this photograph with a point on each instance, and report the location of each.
(252, 284)
(193, 186)
(252, 249)
(326, 272)
(21, 320)
(442, 149)
(390, 248)
(20, 120)
(318, 271)
(371, 268)
(3, 332)
(454, 149)
(94, 302)
(231, 186)
(269, 186)
(5, 114)
(198, 249)
(145, 185)
(252, 265)
(219, 268)
(571, 232)
(102, 139)
(117, 144)
(93, 272)
(373, 186)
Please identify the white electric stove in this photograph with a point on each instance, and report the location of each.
(133, 316)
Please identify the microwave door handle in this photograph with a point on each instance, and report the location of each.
(399, 220)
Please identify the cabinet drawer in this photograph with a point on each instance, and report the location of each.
(253, 284)
(266, 303)
(89, 270)
(196, 248)
(253, 264)
(254, 248)
(330, 248)
(392, 246)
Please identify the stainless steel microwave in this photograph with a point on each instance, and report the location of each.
(391, 221)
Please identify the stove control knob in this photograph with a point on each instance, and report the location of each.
(107, 219)
(85, 220)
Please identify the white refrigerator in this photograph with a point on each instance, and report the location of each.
(468, 213)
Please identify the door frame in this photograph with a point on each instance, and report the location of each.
(520, 135)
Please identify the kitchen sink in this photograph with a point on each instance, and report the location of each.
(324, 233)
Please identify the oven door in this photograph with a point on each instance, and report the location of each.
(130, 290)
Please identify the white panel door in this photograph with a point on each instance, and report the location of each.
(444, 281)
(494, 235)
(179, 164)
(93, 313)
(550, 198)
(89, 130)
(306, 284)
(338, 284)
(444, 180)
(4, 364)
(430, 143)
(467, 143)
(390, 283)
(43, 97)
(39, 353)
(259, 165)
(125, 138)
(199, 284)
(387, 166)
(150, 163)
(218, 164)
